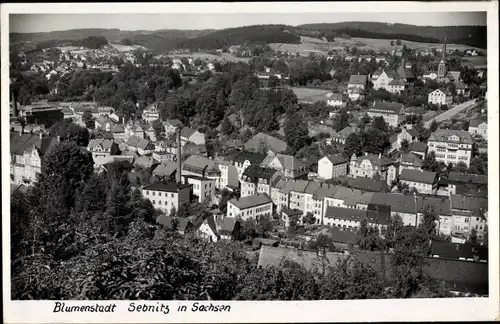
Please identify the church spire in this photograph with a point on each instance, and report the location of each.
(444, 50)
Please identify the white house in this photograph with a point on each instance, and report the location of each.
(171, 126)
(440, 97)
(430, 75)
(332, 166)
(151, 114)
(335, 100)
(251, 207)
(203, 188)
(393, 113)
(451, 146)
(102, 147)
(423, 181)
(382, 81)
(191, 135)
(478, 127)
(167, 197)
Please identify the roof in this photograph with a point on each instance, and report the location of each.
(271, 143)
(336, 159)
(476, 122)
(349, 214)
(296, 186)
(167, 187)
(366, 184)
(107, 159)
(473, 204)
(378, 160)
(199, 163)
(443, 90)
(325, 190)
(291, 212)
(251, 201)
(388, 107)
(457, 177)
(15, 187)
(133, 141)
(420, 147)
(457, 250)
(411, 159)
(289, 162)
(440, 205)
(145, 144)
(104, 143)
(225, 225)
(253, 158)
(399, 203)
(460, 85)
(21, 143)
(256, 172)
(145, 161)
(442, 135)
(413, 132)
(397, 82)
(165, 169)
(418, 176)
(358, 79)
(348, 130)
(174, 122)
(187, 132)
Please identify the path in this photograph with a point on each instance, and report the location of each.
(450, 112)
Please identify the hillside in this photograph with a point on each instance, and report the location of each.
(476, 36)
(241, 35)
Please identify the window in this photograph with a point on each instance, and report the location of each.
(154, 201)
(147, 192)
(154, 193)
(466, 220)
(172, 195)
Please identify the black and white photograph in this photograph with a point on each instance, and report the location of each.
(225, 157)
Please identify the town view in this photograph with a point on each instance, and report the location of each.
(332, 160)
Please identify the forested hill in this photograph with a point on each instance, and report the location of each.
(241, 35)
(467, 35)
(109, 34)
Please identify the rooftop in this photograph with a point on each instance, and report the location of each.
(451, 136)
(418, 176)
(166, 187)
(251, 201)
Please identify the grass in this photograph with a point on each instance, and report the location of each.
(308, 93)
(210, 57)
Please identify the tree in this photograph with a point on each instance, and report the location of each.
(461, 167)
(69, 131)
(380, 124)
(309, 218)
(430, 163)
(473, 236)
(434, 126)
(398, 42)
(367, 237)
(226, 126)
(88, 120)
(341, 120)
(296, 132)
(405, 146)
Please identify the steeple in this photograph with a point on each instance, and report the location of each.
(442, 64)
(444, 51)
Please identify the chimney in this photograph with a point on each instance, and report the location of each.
(178, 155)
(58, 138)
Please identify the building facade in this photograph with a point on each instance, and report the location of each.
(451, 146)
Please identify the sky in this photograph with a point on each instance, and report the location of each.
(30, 23)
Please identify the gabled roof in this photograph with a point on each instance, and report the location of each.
(387, 107)
(443, 90)
(251, 201)
(289, 162)
(166, 187)
(457, 177)
(418, 176)
(473, 204)
(420, 147)
(256, 172)
(397, 82)
(440, 205)
(442, 135)
(21, 143)
(187, 132)
(270, 142)
(225, 225)
(133, 141)
(104, 143)
(411, 159)
(174, 122)
(377, 160)
(253, 158)
(476, 122)
(399, 203)
(336, 159)
(199, 163)
(348, 130)
(366, 184)
(145, 144)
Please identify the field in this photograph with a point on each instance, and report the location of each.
(319, 46)
(310, 94)
(125, 48)
(475, 61)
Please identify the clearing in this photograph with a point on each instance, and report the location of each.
(310, 94)
(208, 57)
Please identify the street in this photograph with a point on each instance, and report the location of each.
(451, 112)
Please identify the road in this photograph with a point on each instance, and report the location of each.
(450, 112)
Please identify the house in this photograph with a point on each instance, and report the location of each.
(251, 207)
(167, 197)
(203, 167)
(478, 127)
(424, 182)
(467, 184)
(429, 75)
(467, 251)
(195, 149)
(171, 126)
(469, 213)
(244, 159)
(289, 165)
(145, 162)
(349, 218)
(102, 147)
(256, 179)
(397, 86)
(332, 166)
(410, 161)
(341, 136)
(191, 135)
(402, 205)
(165, 170)
(150, 134)
(419, 149)
(357, 81)
(440, 97)
(369, 165)
(134, 131)
(151, 114)
(229, 174)
(404, 72)
(208, 229)
(462, 89)
(410, 135)
(287, 215)
(355, 94)
(382, 80)
(451, 146)
(26, 156)
(393, 113)
(118, 132)
(336, 100)
(104, 123)
(263, 143)
(203, 187)
(227, 227)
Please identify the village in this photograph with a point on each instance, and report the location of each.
(296, 198)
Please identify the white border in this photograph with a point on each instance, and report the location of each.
(459, 309)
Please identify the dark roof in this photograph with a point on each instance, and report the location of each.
(255, 172)
(457, 177)
(366, 184)
(473, 204)
(225, 225)
(337, 158)
(270, 142)
(443, 135)
(440, 205)
(253, 158)
(385, 106)
(21, 143)
(418, 147)
(358, 79)
(187, 132)
(456, 250)
(411, 159)
(167, 187)
(291, 212)
(166, 169)
(345, 213)
(418, 176)
(399, 203)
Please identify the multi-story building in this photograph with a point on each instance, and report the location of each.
(289, 165)
(229, 174)
(441, 97)
(244, 159)
(357, 81)
(369, 165)
(451, 146)
(332, 166)
(397, 86)
(351, 218)
(256, 179)
(251, 207)
(202, 167)
(191, 135)
(167, 197)
(382, 80)
(102, 147)
(203, 188)
(410, 161)
(171, 126)
(469, 213)
(393, 113)
(423, 181)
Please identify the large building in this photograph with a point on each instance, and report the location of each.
(151, 114)
(393, 113)
(423, 181)
(451, 146)
(203, 188)
(167, 197)
(203, 167)
(42, 113)
(369, 165)
(251, 207)
(478, 127)
(332, 166)
(440, 97)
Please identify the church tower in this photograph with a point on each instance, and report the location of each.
(442, 64)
